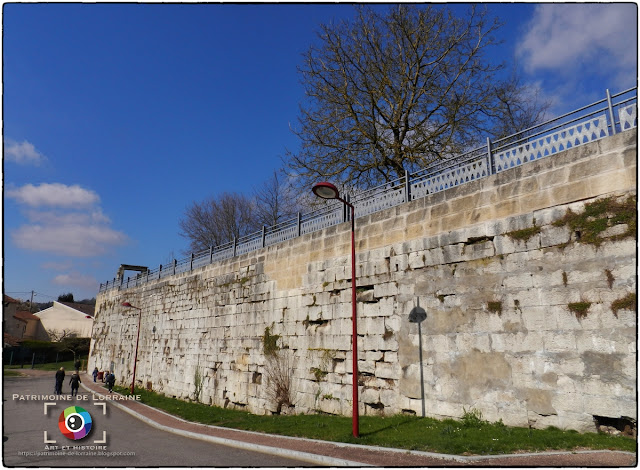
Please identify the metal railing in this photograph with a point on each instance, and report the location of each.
(609, 116)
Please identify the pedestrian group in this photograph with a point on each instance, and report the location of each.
(107, 377)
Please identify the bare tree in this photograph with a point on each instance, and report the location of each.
(68, 340)
(394, 92)
(60, 335)
(277, 200)
(215, 221)
(519, 106)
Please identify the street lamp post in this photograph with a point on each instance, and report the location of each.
(135, 358)
(326, 190)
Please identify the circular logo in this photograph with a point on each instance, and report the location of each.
(74, 423)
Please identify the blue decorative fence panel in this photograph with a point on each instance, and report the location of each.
(451, 177)
(563, 139)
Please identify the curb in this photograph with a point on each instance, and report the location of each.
(325, 460)
(312, 458)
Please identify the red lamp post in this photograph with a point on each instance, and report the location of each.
(326, 190)
(135, 359)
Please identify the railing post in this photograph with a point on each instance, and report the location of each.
(611, 115)
(264, 228)
(160, 272)
(407, 188)
(235, 246)
(299, 224)
(175, 265)
(210, 254)
(191, 264)
(490, 158)
(345, 212)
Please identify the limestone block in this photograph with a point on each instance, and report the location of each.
(367, 367)
(434, 257)
(487, 322)
(440, 344)
(387, 289)
(622, 248)
(552, 236)
(373, 342)
(560, 342)
(607, 406)
(569, 364)
(373, 326)
(392, 323)
(519, 281)
(339, 367)
(386, 370)
(601, 343)
(389, 398)
(531, 380)
(409, 382)
(413, 245)
(523, 342)
(369, 395)
(604, 386)
(342, 342)
(505, 245)
(453, 253)
(560, 296)
(368, 310)
(610, 182)
(374, 355)
(391, 357)
(387, 307)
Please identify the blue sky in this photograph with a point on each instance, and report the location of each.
(118, 116)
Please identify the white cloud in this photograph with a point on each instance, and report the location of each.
(569, 38)
(23, 153)
(58, 217)
(75, 279)
(72, 225)
(68, 239)
(53, 194)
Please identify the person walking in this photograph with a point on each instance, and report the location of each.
(59, 380)
(111, 381)
(95, 374)
(75, 383)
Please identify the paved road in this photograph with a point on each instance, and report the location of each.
(129, 442)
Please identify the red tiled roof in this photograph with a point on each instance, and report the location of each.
(84, 308)
(24, 315)
(9, 300)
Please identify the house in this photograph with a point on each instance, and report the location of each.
(67, 318)
(34, 328)
(12, 325)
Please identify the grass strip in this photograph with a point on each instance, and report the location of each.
(470, 436)
(68, 366)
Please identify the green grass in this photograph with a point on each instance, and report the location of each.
(10, 373)
(471, 435)
(68, 366)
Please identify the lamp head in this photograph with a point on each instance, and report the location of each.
(326, 190)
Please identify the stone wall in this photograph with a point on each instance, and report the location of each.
(527, 277)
